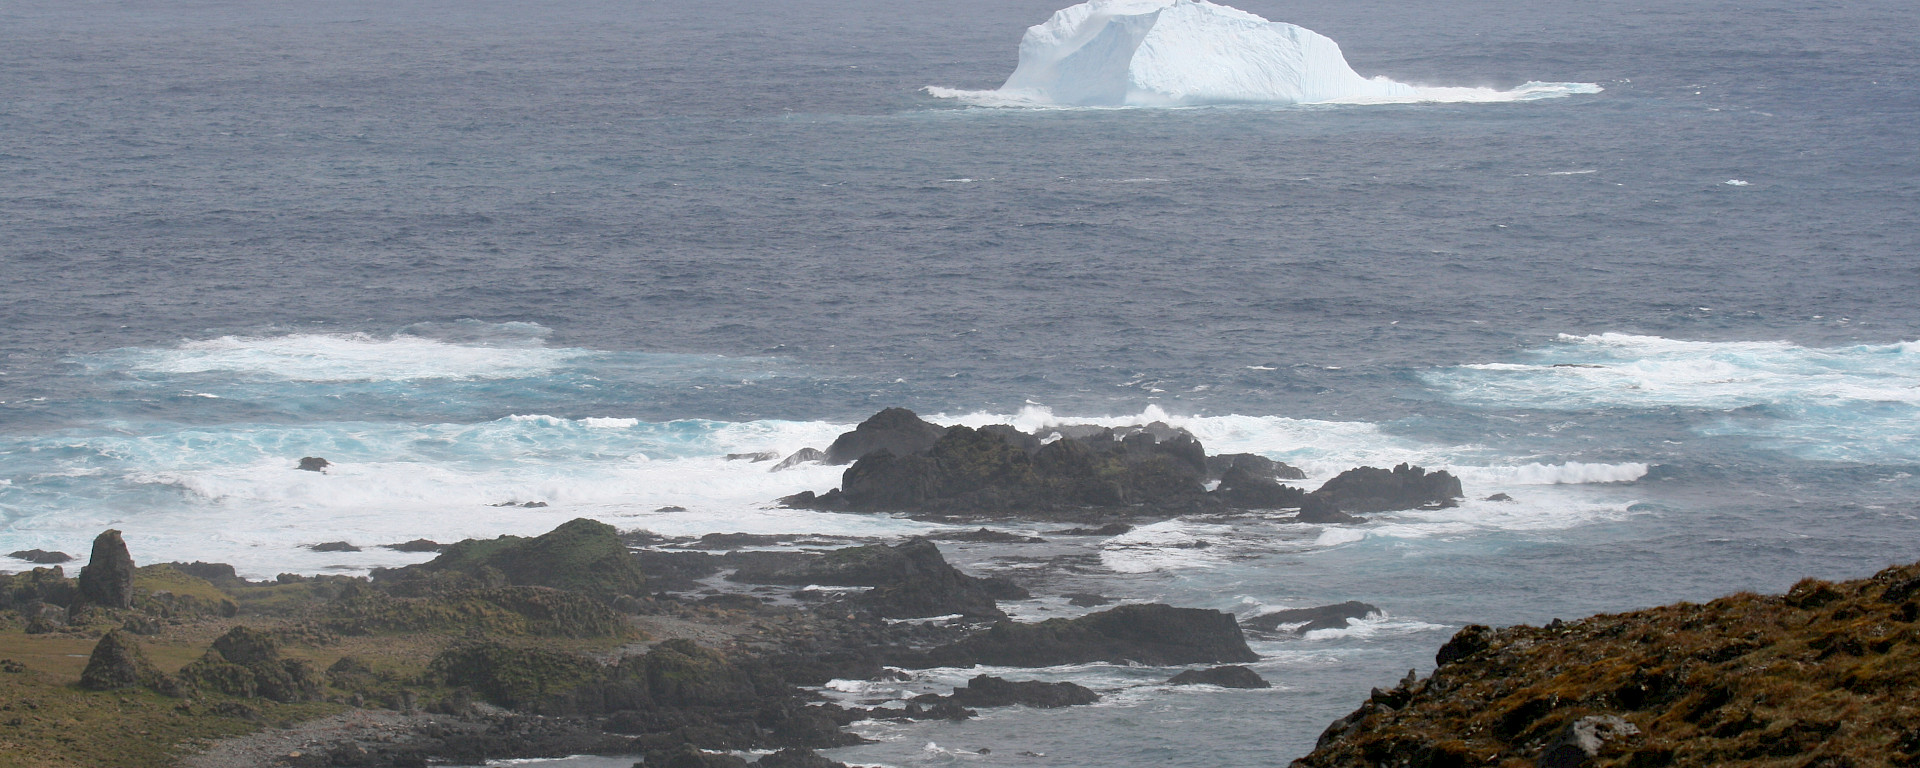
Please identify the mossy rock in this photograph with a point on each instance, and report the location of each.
(246, 662)
(680, 673)
(585, 556)
(512, 676)
(45, 585)
(516, 611)
(164, 590)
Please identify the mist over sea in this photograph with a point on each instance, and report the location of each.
(476, 253)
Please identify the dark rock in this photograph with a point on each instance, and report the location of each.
(1151, 634)
(1321, 509)
(796, 757)
(1085, 599)
(986, 691)
(755, 457)
(41, 556)
(1245, 489)
(1470, 640)
(333, 546)
(985, 536)
(314, 464)
(1003, 588)
(910, 580)
(1027, 444)
(581, 555)
(1321, 617)
(895, 430)
(1258, 466)
(1499, 497)
(1233, 676)
(418, 545)
(1110, 529)
(107, 579)
(1370, 489)
(1580, 741)
(117, 662)
(802, 456)
(737, 540)
(512, 676)
(48, 585)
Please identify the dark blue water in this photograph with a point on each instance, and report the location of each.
(236, 234)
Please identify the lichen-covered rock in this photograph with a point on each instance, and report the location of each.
(1824, 675)
(1153, 634)
(107, 579)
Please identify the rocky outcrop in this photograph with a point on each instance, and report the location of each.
(585, 556)
(988, 691)
(1248, 489)
(313, 464)
(999, 472)
(1821, 676)
(897, 431)
(1371, 489)
(1310, 619)
(1154, 634)
(107, 580)
(1254, 464)
(909, 580)
(1233, 676)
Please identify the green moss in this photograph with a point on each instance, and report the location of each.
(512, 676)
(582, 555)
(510, 611)
(162, 590)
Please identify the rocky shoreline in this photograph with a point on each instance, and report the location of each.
(699, 652)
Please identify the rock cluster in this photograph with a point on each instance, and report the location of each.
(901, 463)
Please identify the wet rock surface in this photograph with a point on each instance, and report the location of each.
(1232, 676)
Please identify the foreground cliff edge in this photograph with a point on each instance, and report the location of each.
(1825, 675)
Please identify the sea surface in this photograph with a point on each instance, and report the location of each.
(577, 252)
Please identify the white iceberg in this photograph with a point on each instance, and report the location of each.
(1179, 53)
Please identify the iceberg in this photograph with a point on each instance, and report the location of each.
(1181, 53)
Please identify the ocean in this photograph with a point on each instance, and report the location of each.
(477, 253)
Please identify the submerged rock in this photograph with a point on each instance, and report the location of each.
(1232, 676)
(41, 556)
(802, 456)
(1320, 617)
(909, 580)
(333, 546)
(107, 579)
(988, 691)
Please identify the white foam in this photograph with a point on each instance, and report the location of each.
(1181, 53)
(1569, 473)
(1855, 403)
(1333, 537)
(1165, 545)
(353, 357)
